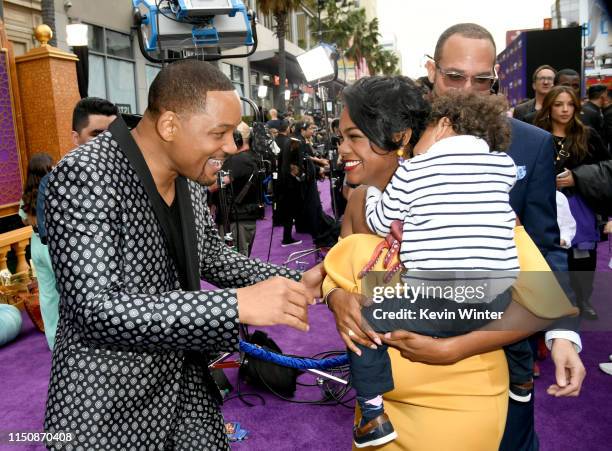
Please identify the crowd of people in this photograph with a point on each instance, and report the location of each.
(124, 235)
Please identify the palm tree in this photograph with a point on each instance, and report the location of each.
(281, 10)
(358, 39)
(384, 62)
(48, 18)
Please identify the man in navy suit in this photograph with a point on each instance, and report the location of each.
(465, 59)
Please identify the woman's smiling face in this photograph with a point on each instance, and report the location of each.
(365, 163)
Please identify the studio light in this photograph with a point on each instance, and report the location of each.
(317, 63)
(287, 94)
(262, 91)
(76, 35)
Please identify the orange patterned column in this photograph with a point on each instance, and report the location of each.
(49, 91)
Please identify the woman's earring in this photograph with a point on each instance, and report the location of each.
(400, 154)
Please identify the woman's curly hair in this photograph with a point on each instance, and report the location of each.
(469, 113)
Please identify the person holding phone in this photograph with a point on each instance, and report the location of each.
(576, 145)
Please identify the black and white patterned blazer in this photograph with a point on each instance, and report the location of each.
(129, 366)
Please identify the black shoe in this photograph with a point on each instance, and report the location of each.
(291, 243)
(588, 312)
(375, 432)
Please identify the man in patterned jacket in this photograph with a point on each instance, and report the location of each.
(130, 238)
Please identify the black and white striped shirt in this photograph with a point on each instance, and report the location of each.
(455, 208)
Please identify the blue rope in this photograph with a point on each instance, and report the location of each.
(300, 363)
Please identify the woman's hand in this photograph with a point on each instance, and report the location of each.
(422, 348)
(353, 328)
(313, 279)
(566, 181)
(294, 170)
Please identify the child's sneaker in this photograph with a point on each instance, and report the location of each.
(375, 432)
(521, 392)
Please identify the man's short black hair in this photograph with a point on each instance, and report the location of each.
(566, 73)
(182, 86)
(467, 30)
(283, 126)
(88, 106)
(596, 91)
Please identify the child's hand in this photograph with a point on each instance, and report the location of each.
(563, 243)
(608, 227)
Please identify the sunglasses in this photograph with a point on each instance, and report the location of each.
(457, 79)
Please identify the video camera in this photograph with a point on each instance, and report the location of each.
(169, 30)
(262, 142)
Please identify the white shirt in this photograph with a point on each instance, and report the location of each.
(567, 223)
(455, 208)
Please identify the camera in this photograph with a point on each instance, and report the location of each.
(238, 140)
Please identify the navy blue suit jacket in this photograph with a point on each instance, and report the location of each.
(533, 195)
(533, 198)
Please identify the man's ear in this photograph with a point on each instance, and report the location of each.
(431, 71)
(75, 138)
(167, 125)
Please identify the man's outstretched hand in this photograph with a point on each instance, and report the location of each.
(275, 301)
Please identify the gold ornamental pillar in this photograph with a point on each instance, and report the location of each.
(49, 91)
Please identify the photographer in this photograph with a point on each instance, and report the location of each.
(244, 204)
(339, 188)
(323, 229)
(288, 190)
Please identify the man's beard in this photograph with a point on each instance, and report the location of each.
(205, 180)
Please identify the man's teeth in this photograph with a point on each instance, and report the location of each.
(217, 163)
(352, 163)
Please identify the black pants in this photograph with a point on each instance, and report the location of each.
(287, 228)
(289, 205)
(582, 274)
(520, 434)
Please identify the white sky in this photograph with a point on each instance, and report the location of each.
(418, 23)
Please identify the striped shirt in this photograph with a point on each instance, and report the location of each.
(454, 204)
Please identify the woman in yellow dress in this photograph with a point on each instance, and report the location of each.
(455, 399)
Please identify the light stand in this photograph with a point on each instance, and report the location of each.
(320, 66)
(330, 152)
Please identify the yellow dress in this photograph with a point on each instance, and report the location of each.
(449, 407)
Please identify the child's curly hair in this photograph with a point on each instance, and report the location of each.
(483, 116)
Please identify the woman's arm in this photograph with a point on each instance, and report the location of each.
(517, 323)
(346, 306)
(354, 217)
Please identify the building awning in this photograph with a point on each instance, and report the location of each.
(267, 61)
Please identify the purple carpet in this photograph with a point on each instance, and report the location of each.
(563, 424)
